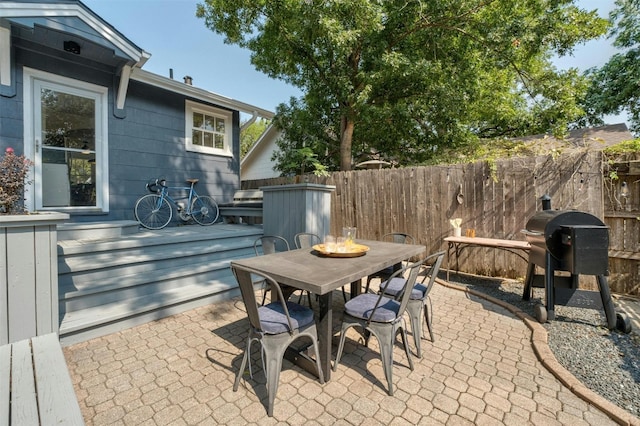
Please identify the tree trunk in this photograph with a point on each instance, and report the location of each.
(346, 137)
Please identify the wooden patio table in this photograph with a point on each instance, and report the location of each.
(306, 269)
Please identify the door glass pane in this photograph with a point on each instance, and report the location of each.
(69, 149)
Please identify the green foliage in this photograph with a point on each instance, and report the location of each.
(411, 80)
(298, 161)
(612, 153)
(13, 173)
(250, 135)
(623, 147)
(615, 87)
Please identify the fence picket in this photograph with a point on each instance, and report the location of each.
(421, 200)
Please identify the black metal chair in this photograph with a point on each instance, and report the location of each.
(381, 316)
(275, 326)
(419, 297)
(394, 237)
(268, 244)
(306, 240)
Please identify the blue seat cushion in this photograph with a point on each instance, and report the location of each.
(274, 320)
(386, 272)
(394, 286)
(362, 306)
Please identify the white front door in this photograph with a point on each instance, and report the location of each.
(68, 133)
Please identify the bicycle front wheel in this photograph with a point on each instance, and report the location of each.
(204, 210)
(153, 211)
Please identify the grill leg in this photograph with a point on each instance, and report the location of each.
(607, 302)
(575, 281)
(549, 287)
(528, 284)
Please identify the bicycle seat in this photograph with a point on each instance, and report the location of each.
(192, 180)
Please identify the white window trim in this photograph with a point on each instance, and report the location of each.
(102, 139)
(190, 108)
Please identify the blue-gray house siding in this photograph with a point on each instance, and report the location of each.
(149, 143)
(146, 139)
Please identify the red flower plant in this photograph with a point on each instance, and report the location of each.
(14, 170)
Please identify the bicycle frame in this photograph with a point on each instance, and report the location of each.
(164, 195)
(154, 211)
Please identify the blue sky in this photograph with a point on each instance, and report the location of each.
(175, 38)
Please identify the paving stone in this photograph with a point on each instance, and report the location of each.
(138, 416)
(481, 369)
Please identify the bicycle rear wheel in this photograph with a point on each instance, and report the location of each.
(153, 211)
(204, 210)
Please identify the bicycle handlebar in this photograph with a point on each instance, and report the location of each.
(155, 184)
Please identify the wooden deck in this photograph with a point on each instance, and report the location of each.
(35, 386)
(108, 283)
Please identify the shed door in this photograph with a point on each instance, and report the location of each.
(69, 152)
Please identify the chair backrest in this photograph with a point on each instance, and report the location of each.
(432, 271)
(270, 244)
(246, 284)
(306, 240)
(403, 296)
(398, 237)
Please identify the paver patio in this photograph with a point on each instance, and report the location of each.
(482, 369)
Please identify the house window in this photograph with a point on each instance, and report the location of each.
(208, 130)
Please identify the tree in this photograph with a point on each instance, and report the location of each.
(615, 86)
(250, 135)
(405, 78)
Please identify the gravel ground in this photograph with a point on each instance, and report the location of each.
(607, 362)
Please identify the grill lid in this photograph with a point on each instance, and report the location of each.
(546, 226)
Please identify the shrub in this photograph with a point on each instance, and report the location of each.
(13, 173)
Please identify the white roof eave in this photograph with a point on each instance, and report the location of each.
(13, 9)
(197, 93)
(9, 9)
(269, 133)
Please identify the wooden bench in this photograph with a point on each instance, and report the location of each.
(35, 386)
(457, 244)
(246, 207)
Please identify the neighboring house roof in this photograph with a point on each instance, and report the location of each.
(587, 138)
(55, 23)
(257, 163)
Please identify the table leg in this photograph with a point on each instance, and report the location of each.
(356, 288)
(300, 356)
(449, 247)
(325, 333)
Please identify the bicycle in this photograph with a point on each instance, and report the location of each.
(154, 211)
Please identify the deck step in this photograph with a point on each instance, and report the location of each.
(113, 283)
(97, 230)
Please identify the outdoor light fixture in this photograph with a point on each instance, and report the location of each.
(71, 47)
(624, 190)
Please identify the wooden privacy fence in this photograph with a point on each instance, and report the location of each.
(495, 203)
(622, 215)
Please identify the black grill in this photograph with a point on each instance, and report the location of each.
(576, 243)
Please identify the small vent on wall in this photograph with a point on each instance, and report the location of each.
(72, 47)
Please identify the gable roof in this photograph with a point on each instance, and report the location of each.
(257, 164)
(48, 25)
